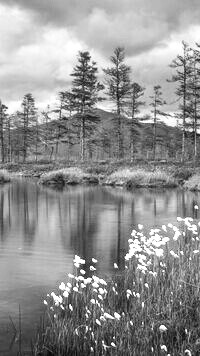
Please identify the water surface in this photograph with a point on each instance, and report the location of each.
(41, 229)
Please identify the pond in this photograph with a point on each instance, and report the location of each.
(41, 230)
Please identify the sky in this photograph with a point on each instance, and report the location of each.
(40, 40)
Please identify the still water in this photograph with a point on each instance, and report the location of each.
(41, 229)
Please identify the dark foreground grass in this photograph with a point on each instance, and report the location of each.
(152, 308)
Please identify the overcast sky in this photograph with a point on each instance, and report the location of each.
(40, 39)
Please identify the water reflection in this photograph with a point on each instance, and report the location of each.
(41, 229)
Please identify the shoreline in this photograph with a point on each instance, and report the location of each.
(127, 176)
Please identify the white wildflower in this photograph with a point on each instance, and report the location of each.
(117, 316)
(159, 252)
(65, 294)
(164, 348)
(95, 285)
(92, 268)
(82, 271)
(101, 280)
(162, 328)
(102, 318)
(108, 316)
(70, 275)
(88, 280)
(62, 286)
(98, 322)
(79, 260)
(113, 344)
(188, 353)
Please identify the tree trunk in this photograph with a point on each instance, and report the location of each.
(184, 110)
(82, 138)
(154, 134)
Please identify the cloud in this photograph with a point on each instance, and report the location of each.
(32, 59)
(137, 24)
(39, 40)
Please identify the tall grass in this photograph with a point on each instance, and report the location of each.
(152, 308)
(141, 177)
(71, 175)
(193, 183)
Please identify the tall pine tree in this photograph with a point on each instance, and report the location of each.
(134, 103)
(181, 65)
(157, 102)
(117, 78)
(28, 119)
(85, 89)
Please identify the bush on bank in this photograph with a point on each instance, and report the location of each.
(151, 308)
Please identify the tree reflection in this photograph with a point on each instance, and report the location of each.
(88, 221)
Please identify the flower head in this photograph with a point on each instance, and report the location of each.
(162, 328)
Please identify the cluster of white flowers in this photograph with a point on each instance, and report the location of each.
(146, 256)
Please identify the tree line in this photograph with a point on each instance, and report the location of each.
(75, 121)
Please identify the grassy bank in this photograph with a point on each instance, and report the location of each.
(131, 178)
(152, 308)
(4, 176)
(124, 177)
(71, 175)
(193, 183)
(143, 174)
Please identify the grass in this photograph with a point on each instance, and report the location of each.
(71, 175)
(119, 172)
(151, 308)
(193, 183)
(140, 177)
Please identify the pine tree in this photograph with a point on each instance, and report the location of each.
(117, 80)
(28, 118)
(157, 102)
(181, 64)
(134, 103)
(3, 115)
(193, 107)
(85, 90)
